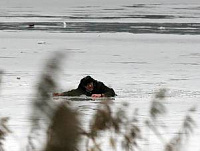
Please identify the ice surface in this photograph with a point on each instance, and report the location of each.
(135, 65)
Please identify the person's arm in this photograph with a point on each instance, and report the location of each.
(106, 91)
(109, 93)
(74, 92)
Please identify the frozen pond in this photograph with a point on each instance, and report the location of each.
(134, 47)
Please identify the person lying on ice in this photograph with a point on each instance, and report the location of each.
(89, 87)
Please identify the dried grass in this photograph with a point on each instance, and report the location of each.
(64, 131)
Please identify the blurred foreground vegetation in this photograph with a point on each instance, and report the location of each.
(64, 130)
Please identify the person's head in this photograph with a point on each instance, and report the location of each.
(89, 86)
(87, 83)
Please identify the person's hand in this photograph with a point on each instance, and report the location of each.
(96, 95)
(56, 94)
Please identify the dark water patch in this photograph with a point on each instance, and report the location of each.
(29, 25)
(188, 8)
(192, 55)
(113, 9)
(185, 17)
(30, 16)
(96, 17)
(21, 7)
(152, 16)
(105, 27)
(132, 84)
(156, 74)
(3, 57)
(80, 15)
(177, 79)
(125, 17)
(190, 64)
(141, 5)
(71, 50)
(195, 54)
(196, 8)
(79, 99)
(87, 6)
(112, 73)
(116, 55)
(136, 5)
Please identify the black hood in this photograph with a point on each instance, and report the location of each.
(85, 81)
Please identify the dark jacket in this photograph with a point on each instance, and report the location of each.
(99, 88)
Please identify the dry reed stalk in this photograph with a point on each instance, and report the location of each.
(178, 141)
(4, 131)
(64, 132)
(43, 107)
